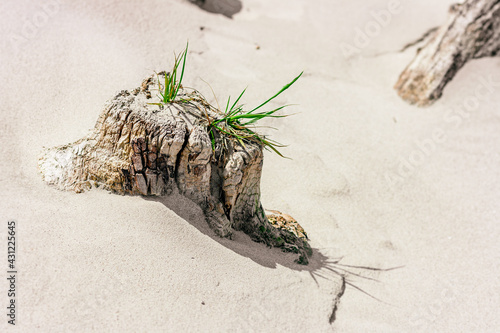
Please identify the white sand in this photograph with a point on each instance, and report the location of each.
(116, 263)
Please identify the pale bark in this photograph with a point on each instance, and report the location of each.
(140, 148)
(471, 31)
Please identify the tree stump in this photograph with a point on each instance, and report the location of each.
(141, 148)
(472, 31)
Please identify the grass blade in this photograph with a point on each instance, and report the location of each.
(279, 92)
(233, 110)
(182, 71)
(227, 105)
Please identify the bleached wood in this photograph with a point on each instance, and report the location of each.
(472, 31)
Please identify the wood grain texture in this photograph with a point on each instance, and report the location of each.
(471, 31)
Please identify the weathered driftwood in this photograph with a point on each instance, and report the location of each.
(140, 148)
(472, 31)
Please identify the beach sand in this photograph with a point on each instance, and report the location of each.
(371, 179)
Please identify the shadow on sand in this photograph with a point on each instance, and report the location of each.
(240, 243)
(320, 266)
(225, 7)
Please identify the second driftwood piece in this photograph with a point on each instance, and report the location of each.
(472, 31)
(142, 148)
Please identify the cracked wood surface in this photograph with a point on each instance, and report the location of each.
(140, 148)
(472, 31)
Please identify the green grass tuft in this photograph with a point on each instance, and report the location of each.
(235, 122)
(170, 89)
